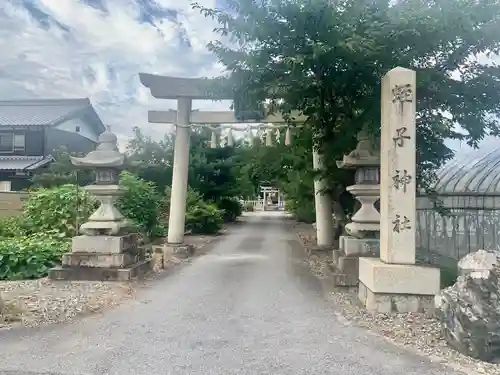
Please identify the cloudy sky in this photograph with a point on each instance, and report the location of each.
(96, 48)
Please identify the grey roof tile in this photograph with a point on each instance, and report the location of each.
(38, 112)
(23, 163)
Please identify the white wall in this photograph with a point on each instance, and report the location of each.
(85, 129)
(5, 186)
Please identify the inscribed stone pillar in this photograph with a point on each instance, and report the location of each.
(397, 167)
(394, 282)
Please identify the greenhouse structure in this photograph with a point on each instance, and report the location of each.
(468, 187)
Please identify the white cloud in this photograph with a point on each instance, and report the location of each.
(88, 52)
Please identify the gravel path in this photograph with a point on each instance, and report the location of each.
(250, 306)
(416, 331)
(36, 302)
(32, 303)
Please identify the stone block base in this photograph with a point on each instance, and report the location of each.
(400, 288)
(102, 260)
(346, 259)
(345, 269)
(181, 251)
(104, 244)
(76, 273)
(359, 246)
(394, 303)
(163, 254)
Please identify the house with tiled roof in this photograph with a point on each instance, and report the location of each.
(32, 130)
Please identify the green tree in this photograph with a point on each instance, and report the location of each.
(327, 58)
(61, 172)
(289, 168)
(141, 203)
(151, 160)
(213, 172)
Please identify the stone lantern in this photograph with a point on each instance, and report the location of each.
(364, 229)
(107, 163)
(366, 161)
(105, 250)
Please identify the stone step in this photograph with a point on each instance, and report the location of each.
(69, 273)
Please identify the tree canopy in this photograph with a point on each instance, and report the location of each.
(213, 173)
(326, 58)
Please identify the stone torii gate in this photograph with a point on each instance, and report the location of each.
(268, 190)
(185, 90)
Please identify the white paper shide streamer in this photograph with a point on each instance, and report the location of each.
(213, 140)
(269, 138)
(250, 136)
(264, 135)
(288, 137)
(230, 140)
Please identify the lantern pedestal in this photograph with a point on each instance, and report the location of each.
(366, 221)
(99, 258)
(106, 220)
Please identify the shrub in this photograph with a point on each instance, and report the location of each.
(61, 209)
(12, 226)
(303, 212)
(141, 203)
(232, 208)
(249, 207)
(30, 257)
(204, 218)
(201, 217)
(192, 199)
(291, 205)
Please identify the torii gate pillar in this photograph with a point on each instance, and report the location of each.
(184, 90)
(322, 206)
(177, 215)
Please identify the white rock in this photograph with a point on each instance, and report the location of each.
(479, 262)
(469, 311)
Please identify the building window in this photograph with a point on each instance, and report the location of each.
(78, 129)
(6, 142)
(12, 142)
(19, 142)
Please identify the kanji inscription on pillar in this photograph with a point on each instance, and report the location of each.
(399, 139)
(402, 93)
(401, 179)
(397, 167)
(400, 223)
